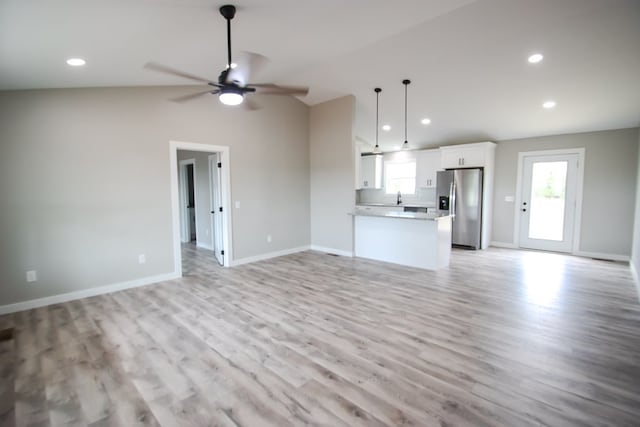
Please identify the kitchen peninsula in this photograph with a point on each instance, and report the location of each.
(415, 239)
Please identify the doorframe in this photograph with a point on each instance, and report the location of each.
(577, 220)
(212, 161)
(227, 229)
(183, 189)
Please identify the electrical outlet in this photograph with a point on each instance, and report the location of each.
(32, 276)
(268, 238)
(142, 259)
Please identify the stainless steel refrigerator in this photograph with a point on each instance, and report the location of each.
(459, 193)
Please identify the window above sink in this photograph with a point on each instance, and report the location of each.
(400, 176)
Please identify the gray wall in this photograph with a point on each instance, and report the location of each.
(85, 182)
(202, 182)
(332, 174)
(611, 163)
(635, 250)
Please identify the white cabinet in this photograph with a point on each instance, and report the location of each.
(371, 172)
(427, 166)
(463, 156)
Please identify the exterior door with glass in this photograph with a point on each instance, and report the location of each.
(548, 202)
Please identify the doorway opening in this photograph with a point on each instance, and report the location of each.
(549, 199)
(200, 196)
(188, 220)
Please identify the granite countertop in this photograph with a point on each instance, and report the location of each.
(402, 215)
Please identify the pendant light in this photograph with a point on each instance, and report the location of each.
(405, 145)
(377, 149)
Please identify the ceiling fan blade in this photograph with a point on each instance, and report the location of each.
(193, 95)
(168, 70)
(247, 64)
(271, 89)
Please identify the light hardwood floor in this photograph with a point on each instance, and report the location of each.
(500, 338)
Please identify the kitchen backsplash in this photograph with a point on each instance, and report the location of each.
(423, 196)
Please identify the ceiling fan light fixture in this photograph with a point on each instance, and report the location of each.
(231, 97)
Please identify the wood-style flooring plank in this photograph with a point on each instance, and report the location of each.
(500, 338)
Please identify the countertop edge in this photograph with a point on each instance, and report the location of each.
(403, 215)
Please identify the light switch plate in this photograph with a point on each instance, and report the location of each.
(509, 199)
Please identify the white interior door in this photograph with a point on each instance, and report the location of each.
(548, 202)
(216, 206)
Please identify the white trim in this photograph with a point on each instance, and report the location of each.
(601, 255)
(183, 189)
(227, 243)
(85, 293)
(213, 160)
(577, 220)
(268, 255)
(503, 245)
(331, 251)
(204, 245)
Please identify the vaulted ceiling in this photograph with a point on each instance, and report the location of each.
(467, 59)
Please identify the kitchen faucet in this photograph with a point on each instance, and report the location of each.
(399, 199)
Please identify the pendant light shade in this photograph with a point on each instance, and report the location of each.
(405, 145)
(376, 149)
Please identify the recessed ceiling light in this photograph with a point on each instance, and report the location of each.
(76, 62)
(549, 104)
(386, 127)
(425, 121)
(535, 58)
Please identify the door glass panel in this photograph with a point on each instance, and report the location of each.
(548, 192)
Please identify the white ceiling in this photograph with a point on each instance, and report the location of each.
(466, 58)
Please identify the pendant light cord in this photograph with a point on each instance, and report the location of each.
(377, 114)
(377, 91)
(406, 83)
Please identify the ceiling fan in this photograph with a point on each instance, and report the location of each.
(233, 82)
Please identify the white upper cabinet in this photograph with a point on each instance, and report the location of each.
(427, 166)
(371, 171)
(464, 156)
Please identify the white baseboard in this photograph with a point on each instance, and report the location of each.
(84, 293)
(204, 245)
(503, 245)
(600, 255)
(268, 255)
(331, 251)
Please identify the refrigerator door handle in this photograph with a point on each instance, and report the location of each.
(452, 199)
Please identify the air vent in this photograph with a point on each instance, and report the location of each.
(6, 334)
